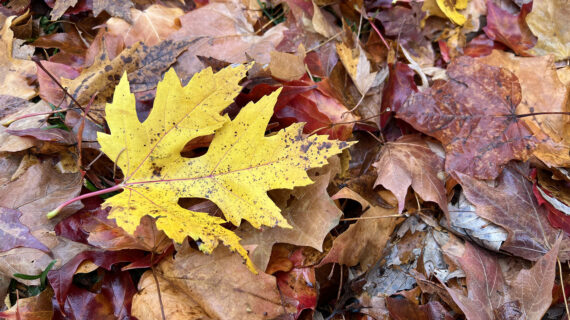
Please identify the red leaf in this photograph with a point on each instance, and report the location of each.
(61, 279)
(509, 29)
(14, 234)
(481, 46)
(473, 116)
(399, 87)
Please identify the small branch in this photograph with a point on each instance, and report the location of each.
(52, 214)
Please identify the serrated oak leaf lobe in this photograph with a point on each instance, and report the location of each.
(473, 116)
(239, 168)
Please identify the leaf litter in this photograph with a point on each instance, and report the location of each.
(287, 159)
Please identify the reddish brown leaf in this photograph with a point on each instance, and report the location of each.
(473, 115)
(50, 135)
(481, 46)
(399, 87)
(511, 205)
(33, 308)
(14, 234)
(527, 296)
(69, 42)
(410, 162)
(61, 279)
(509, 29)
(401, 308)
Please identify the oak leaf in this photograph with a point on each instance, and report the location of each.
(239, 168)
(473, 116)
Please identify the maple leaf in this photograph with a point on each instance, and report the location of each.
(473, 116)
(236, 173)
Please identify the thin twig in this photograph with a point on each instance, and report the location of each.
(375, 217)
(563, 290)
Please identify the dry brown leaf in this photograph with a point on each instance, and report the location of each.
(312, 214)
(12, 143)
(221, 276)
(33, 308)
(410, 162)
(221, 31)
(60, 7)
(364, 241)
(286, 66)
(322, 22)
(548, 20)
(150, 26)
(16, 76)
(540, 94)
(121, 9)
(176, 303)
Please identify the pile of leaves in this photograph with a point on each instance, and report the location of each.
(284, 159)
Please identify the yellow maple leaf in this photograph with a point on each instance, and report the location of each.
(239, 168)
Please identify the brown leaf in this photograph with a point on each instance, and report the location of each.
(358, 67)
(549, 22)
(121, 9)
(364, 241)
(540, 94)
(176, 303)
(33, 308)
(13, 143)
(60, 7)
(221, 276)
(221, 31)
(312, 214)
(16, 76)
(410, 162)
(473, 115)
(509, 29)
(512, 205)
(490, 297)
(286, 66)
(150, 26)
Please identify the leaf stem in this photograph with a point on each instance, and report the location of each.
(541, 113)
(56, 211)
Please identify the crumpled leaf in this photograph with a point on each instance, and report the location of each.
(364, 241)
(357, 66)
(239, 168)
(530, 234)
(150, 26)
(221, 31)
(473, 116)
(203, 279)
(490, 296)
(511, 30)
(548, 20)
(540, 94)
(410, 162)
(16, 76)
(312, 214)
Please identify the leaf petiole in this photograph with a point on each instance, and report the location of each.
(52, 214)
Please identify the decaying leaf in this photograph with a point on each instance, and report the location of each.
(16, 76)
(512, 30)
(357, 66)
(410, 162)
(240, 166)
(473, 115)
(540, 94)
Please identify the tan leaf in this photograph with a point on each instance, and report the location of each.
(16, 75)
(286, 66)
(357, 65)
(548, 20)
(12, 143)
(150, 26)
(410, 162)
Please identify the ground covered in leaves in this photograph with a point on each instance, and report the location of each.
(446, 193)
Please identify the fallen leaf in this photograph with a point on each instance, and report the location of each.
(529, 234)
(540, 94)
(312, 214)
(511, 30)
(120, 9)
(207, 278)
(473, 116)
(16, 76)
(410, 162)
(14, 143)
(155, 170)
(489, 296)
(357, 66)
(14, 234)
(151, 26)
(176, 303)
(399, 86)
(33, 308)
(221, 31)
(548, 22)
(286, 66)
(364, 241)
(69, 42)
(449, 8)
(322, 22)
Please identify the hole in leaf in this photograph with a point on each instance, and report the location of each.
(197, 147)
